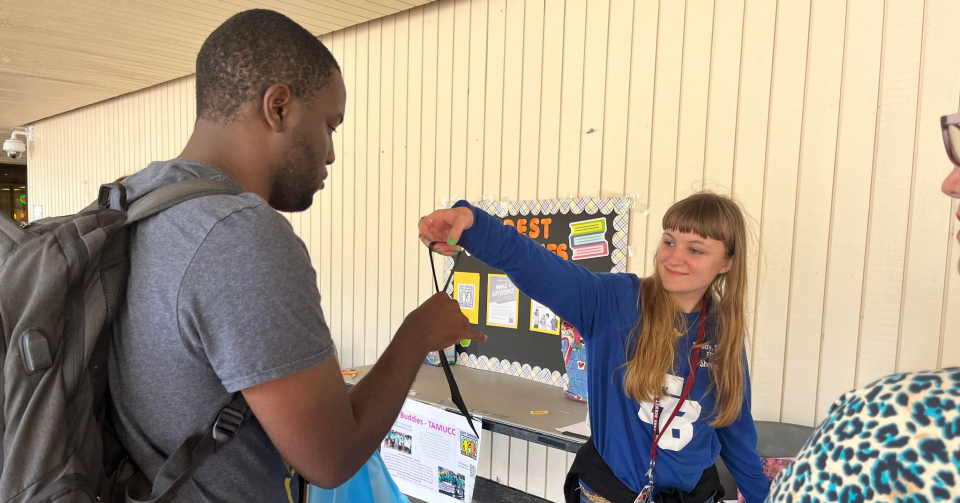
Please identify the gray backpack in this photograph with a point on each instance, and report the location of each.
(63, 282)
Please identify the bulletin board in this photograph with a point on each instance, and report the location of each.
(523, 336)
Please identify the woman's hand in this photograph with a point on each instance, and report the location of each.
(445, 226)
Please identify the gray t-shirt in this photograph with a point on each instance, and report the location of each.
(222, 296)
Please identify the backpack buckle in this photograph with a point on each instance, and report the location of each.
(227, 424)
(103, 197)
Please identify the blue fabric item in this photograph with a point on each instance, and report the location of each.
(575, 359)
(372, 483)
(604, 308)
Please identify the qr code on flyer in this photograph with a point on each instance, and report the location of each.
(467, 296)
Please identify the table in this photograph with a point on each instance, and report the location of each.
(501, 402)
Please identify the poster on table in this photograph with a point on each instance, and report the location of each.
(524, 335)
(432, 454)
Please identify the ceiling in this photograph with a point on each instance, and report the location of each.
(59, 55)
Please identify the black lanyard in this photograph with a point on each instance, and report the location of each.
(454, 389)
(646, 494)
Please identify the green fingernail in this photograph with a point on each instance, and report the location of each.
(451, 241)
(456, 252)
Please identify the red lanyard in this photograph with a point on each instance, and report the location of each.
(694, 363)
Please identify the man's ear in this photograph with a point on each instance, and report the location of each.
(275, 107)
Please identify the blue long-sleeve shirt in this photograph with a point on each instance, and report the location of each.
(604, 308)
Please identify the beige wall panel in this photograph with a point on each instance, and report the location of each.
(444, 97)
(643, 64)
(483, 455)
(428, 129)
(556, 474)
(694, 91)
(550, 100)
(460, 101)
(500, 458)
(361, 200)
(390, 221)
(493, 101)
(348, 166)
(536, 469)
(530, 100)
(617, 93)
(851, 202)
(889, 208)
(722, 110)
(415, 259)
(476, 113)
(404, 215)
(371, 197)
(594, 97)
(779, 199)
(571, 96)
(817, 155)
(512, 104)
(518, 464)
(331, 248)
(666, 104)
(756, 71)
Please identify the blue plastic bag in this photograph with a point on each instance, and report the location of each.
(372, 484)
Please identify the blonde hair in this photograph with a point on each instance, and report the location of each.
(710, 216)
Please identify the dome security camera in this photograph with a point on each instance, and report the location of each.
(14, 147)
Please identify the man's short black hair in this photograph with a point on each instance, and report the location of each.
(252, 51)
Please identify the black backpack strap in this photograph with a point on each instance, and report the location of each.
(182, 464)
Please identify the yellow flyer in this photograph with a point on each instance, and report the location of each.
(466, 287)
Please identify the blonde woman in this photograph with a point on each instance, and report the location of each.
(666, 357)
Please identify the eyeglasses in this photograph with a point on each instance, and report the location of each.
(950, 124)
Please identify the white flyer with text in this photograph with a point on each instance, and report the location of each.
(432, 454)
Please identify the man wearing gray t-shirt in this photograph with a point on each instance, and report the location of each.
(222, 296)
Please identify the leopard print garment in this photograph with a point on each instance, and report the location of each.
(896, 440)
